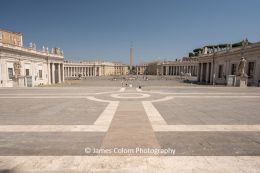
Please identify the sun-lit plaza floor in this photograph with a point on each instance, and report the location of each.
(59, 129)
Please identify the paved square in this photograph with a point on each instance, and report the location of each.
(210, 111)
(93, 127)
(49, 111)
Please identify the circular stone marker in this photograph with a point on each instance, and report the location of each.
(130, 95)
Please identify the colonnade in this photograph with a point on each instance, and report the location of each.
(56, 73)
(205, 72)
(75, 71)
(177, 70)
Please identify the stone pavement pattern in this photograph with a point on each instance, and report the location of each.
(37, 136)
(130, 128)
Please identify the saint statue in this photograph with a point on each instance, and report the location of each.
(241, 67)
(30, 45)
(17, 69)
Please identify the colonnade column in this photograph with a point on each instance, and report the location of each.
(201, 72)
(59, 73)
(65, 71)
(53, 73)
(62, 72)
(211, 73)
(49, 73)
(207, 72)
(198, 72)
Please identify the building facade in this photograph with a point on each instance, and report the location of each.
(21, 66)
(93, 68)
(215, 65)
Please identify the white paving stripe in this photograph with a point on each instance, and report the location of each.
(128, 96)
(122, 89)
(49, 94)
(177, 95)
(98, 100)
(207, 97)
(201, 93)
(163, 99)
(43, 97)
(62, 95)
(14, 96)
(202, 128)
(153, 114)
(57, 94)
(101, 124)
(52, 128)
(107, 115)
(108, 92)
(144, 164)
(138, 90)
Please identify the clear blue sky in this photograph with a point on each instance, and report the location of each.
(104, 29)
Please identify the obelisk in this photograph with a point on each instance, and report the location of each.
(131, 59)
